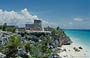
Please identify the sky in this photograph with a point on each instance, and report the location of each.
(68, 14)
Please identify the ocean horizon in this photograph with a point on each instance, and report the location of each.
(79, 36)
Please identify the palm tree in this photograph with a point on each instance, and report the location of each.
(4, 27)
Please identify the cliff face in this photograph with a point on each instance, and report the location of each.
(44, 44)
(59, 37)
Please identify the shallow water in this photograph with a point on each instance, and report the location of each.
(80, 36)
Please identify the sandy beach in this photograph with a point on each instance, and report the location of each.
(74, 51)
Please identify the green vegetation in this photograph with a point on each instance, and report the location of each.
(0, 27)
(10, 49)
(11, 29)
(4, 27)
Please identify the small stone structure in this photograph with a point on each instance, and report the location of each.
(37, 26)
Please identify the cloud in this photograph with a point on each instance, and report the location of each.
(78, 19)
(17, 18)
(52, 24)
(21, 18)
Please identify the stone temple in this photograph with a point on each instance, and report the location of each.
(33, 28)
(37, 26)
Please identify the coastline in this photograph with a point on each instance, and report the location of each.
(68, 51)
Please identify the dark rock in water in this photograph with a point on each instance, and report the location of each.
(80, 48)
(65, 50)
(84, 54)
(76, 49)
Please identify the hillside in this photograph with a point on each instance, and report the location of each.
(33, 45)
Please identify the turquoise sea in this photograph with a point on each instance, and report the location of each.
(79, 36)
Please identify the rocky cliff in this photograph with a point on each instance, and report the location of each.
(31, 43)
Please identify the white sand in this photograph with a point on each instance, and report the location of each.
(71, 53)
